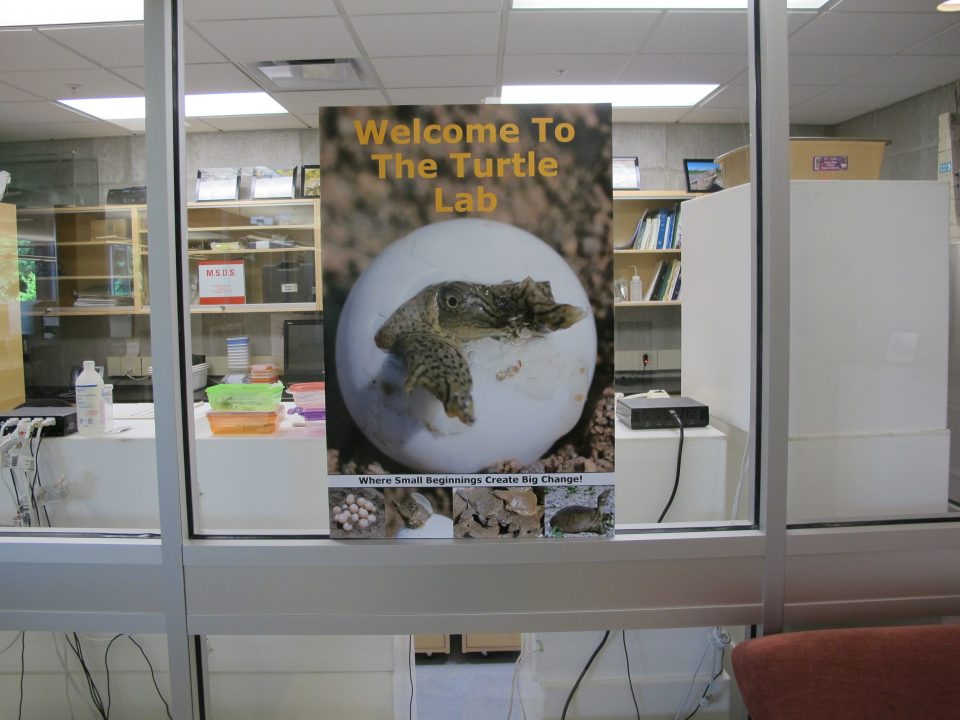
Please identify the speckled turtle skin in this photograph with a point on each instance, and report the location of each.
(579, 518)
(428, 331)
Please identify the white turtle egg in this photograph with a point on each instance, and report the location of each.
(363, 512)
(350, 499)
(354, 507)
(336, 509)
(526, 393)
(372, 517)
(347, 527)
(354, 517)
(364, 523)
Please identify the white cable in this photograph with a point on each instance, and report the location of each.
(693, 680)
(735, 506)
(515, 684)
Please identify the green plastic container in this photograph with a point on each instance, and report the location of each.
(247, 397)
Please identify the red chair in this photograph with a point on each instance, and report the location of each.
(895, 673)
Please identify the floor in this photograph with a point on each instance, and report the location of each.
(464, 687)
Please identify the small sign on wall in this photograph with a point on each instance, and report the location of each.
(222, 282)
(830, 163)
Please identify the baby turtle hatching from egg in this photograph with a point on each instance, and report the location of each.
(429, 330)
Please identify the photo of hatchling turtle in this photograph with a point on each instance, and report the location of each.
(584, 511)
(496, 512)
(430, 329)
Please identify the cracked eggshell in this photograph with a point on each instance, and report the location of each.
(526, 394)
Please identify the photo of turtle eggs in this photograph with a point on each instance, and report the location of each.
(356, 513)
(495, 512)
(579, 511)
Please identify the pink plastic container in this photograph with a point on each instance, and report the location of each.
(309, 396)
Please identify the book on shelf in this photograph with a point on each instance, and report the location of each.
(652, 287)
(663, 217)
(633, 242)
(671, 280)
(676, 289)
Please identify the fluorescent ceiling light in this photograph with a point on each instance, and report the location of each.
(617, 95)
(654, 4)
(213, 105)
(949, 6)
(18, 13)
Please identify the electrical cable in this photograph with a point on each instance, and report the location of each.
(707, 688)
(36, 476)
(626, 655)
(573, 690)
(11, 643)
(153, 675)
(515, 685)
(91, 684)
(676, 480)
(410, 660)
(106, 668)
(693, 681)
(23, 651)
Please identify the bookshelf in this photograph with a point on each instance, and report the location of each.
(628, 208)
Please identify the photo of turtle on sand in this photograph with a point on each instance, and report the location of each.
(485, 512)
(579, 511)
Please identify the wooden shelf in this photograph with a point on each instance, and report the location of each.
(647, 303)
(652, 195)
(84, 311)
(667, 251)
(254, 308)
(96, 243)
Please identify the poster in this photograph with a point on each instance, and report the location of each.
(467, 266)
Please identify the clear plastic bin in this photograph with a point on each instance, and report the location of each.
(246, 397)
(310, 396)
(245, 423)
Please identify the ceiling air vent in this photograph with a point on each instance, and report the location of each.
(329, 74)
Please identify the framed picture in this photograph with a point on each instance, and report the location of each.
(218, 184)
(309, 181)
(272, 184)
(626, 173)
(703, 176)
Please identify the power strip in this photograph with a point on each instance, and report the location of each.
(64, 418)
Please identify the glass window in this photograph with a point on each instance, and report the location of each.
(873, 258)
(254, 217)
(53, 674)
(654, 673)
(74, 267)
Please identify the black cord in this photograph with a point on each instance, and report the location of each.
(573, 690)
(36, 479)
(629, 677)
(106, 667)
(13, 480)
(410, 657)
(707, 688)
(153, 675)
(23, 652)
(676, 480)
(91, 685)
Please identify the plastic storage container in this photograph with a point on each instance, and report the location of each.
(315, 421)
(245, 423)
(247, 397)
(264, 373)
(289, 281)
(310, 396)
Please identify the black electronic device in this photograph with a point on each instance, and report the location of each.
(655, 413)
(303, 350)
(65, 418)
(136, 195)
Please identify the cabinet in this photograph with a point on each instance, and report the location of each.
(11, 347)
(95, 260)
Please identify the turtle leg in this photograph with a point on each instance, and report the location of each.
(437, 365)
(548, 314)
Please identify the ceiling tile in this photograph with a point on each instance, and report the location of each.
(194, 125)
(700, 32)
(84, 129)
(867, 33)
(139, 126)
(198, 50)
(656, 115)
(796, 20)
(546, 32)
(799, 94)
(256, 122)
(946, 43)
(737, 96)
(29, 50)
(110, 45)
(284, 39)
(856, 96)
(392, 7)
(12, 94)
(911, 70)
(655, 68)
(16, 113)
(308, 103)
(914, 6)
(216, 78)
(57, 84)
(824, 116)
(717, 115)
(555, 68)
(243, 9)
(442, 95)
(437, 71)
(828, 69)
(433, 34)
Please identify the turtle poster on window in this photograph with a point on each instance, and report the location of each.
(468, 318)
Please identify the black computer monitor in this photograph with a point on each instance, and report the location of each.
(303, 350)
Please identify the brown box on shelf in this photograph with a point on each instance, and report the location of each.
(814, 158)
(110, 229)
